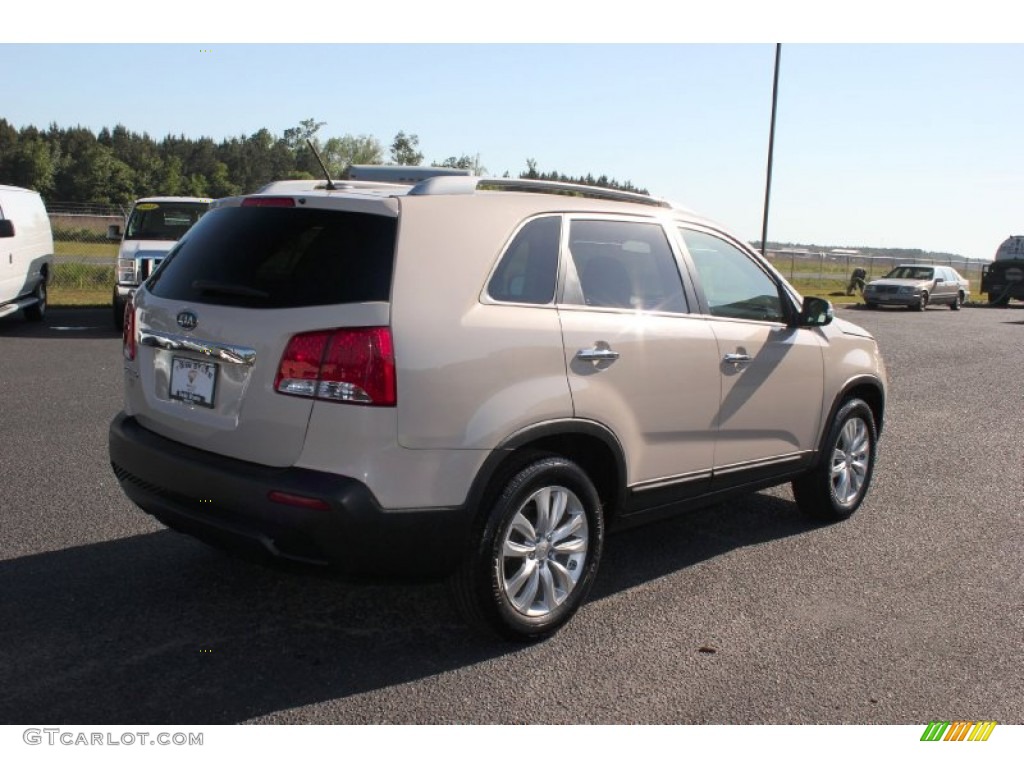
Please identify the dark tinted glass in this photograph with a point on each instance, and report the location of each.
(280, 257)
(527, 271)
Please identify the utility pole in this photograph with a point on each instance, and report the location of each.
(771, 150)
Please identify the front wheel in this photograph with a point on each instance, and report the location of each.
(536, 556)
(836, 486)
(922, 303)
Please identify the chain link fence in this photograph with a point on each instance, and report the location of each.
(84, 259)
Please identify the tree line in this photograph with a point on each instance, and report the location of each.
(116, 166)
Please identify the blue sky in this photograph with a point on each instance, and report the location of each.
(891, 145)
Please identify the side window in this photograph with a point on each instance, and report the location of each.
(626, 264)
(527, 271)
(735, 286)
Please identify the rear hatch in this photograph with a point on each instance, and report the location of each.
(214, 321)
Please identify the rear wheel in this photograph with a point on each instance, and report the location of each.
(957, 302)
(118, 312)
(37, 311)
(836, 486)
(536, 556)
(998, 299)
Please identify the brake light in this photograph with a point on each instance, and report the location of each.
(268, 202)
(346, 365)
(128, 334)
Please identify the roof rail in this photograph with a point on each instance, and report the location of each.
(467, 185)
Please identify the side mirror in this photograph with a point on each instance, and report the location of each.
(113, 232)
(939, 280)
(6, 228)
(815, 312)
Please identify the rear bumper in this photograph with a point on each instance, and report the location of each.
(225, 502)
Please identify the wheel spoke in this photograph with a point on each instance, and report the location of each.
(542, 503)
(523, 527)
(516, 549)
(522, 588)
(547, 581)
(566, 580)
(575, 523)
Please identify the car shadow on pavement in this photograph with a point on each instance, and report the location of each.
(62, 323)
(157, 628)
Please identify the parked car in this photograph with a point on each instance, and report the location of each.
(1003, 278)
(154, 226)
(476, 379)
(26, 252)
(918, 285)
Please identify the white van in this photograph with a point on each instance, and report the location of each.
(154, 225)
(26, 252)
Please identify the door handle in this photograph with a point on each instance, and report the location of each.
(597, 354)
(737, 358)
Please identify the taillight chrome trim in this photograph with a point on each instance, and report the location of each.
(232, 353)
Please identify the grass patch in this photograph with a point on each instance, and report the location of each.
(79, 297)
(78, 249)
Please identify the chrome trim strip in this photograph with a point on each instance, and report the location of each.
(663, 482)
(231, 353)
(743, 465)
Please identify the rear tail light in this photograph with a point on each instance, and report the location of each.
(268, 202)
(345, 365)
(128, 334)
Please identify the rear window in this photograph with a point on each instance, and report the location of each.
(163, 221)
(280, 257)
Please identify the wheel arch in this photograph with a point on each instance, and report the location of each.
(589, 444)
(866, 388)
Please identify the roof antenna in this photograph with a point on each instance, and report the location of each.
(330, 184)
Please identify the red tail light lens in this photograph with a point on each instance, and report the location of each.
(346, 365)
(268, 202)
(128, 334)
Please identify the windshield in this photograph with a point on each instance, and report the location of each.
(163, 221)
(912, 273)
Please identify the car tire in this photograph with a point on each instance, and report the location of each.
(998, 300)
(118, 313)
(922, 302)
(958, 302)
(37, 311)
(835, 487)
(870, 305)
(529, 572)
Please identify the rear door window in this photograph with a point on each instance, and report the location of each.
(625, 265)
(280, 257)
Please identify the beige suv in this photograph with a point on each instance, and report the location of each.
(477, 379)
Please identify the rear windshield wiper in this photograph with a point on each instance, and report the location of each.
(228, 289)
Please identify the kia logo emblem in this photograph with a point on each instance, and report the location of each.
(187, 320)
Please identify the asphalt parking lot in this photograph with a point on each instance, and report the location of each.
(913, 610)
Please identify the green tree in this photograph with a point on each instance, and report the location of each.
(467, 162)
(342, 151)
(405, 149)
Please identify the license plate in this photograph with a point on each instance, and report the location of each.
(193, 381)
